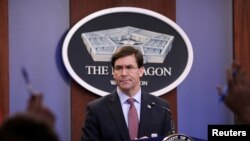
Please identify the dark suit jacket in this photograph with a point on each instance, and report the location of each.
(105, 121)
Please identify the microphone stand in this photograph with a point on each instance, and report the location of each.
(171, 118)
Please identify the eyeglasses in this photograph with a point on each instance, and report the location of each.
(128, 69)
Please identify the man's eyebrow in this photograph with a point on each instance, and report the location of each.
(129, 65)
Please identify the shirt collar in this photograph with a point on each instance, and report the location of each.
(123, 97)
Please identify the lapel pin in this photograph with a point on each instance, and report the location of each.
(149, 106)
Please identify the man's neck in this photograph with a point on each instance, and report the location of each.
(130, 93)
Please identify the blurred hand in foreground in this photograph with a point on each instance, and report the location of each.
(237, 95)
(37, 109)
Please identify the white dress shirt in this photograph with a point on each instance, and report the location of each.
(125, 105)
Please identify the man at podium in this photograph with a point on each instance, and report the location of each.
(127, 113)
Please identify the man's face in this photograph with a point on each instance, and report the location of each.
(127, 74)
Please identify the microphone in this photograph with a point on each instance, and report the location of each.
(163, 107)
(153, 104)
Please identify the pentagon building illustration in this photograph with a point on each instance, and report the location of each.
(102, 44)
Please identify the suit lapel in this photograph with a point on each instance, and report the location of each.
(117, 114)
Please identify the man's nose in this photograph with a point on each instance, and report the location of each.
(124, 71)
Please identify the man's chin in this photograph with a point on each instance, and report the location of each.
(125, 88)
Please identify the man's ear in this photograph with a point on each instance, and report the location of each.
(113, 74)
(141, 71)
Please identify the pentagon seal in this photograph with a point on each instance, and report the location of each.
(178, 137)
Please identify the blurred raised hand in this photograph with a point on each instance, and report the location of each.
(237, 95)
(37, 109)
